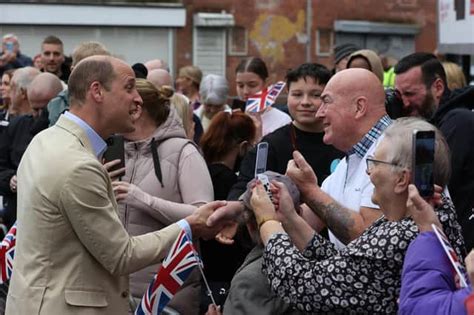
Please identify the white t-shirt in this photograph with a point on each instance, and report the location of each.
(350, 185)
(272, 119)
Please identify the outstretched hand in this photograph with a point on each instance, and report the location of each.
(198, 220)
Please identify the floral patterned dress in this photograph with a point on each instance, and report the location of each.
(363, 278)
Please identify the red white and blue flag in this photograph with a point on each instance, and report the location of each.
(7, 253)
(265, 98)
(171, 275)
(461, 281)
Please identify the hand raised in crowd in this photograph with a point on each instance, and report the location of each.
(198, 220)
(213, 310)
(470, 267)
(114, 174)
(301, 174)
(262, 206)
(286, 212)
(13, 183)
(421, 211)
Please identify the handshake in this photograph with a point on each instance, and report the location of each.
(198, 221)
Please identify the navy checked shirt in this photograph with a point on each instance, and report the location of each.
(370, 137)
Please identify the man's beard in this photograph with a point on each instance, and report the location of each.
(426, 110)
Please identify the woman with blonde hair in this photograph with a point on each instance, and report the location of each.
(165, 180)
(185, 112)
(454, 75)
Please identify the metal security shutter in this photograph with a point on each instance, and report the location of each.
(209, 50)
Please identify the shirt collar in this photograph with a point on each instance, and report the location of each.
(98, 144)
(370, 137)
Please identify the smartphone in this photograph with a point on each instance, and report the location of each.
(115, 150)
(9, 46)
(238, 104)
(261, 161)
(423, 162)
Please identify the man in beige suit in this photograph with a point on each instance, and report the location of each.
(73, 255)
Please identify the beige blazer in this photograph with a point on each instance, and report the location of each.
(73, 255)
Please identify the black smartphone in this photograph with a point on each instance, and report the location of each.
(423, 162)
(261, 161)
(238, 104)
(115, 150)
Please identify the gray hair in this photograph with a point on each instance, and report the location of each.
(400, 135)
(214, 90)
(23, 77)
(11, 35)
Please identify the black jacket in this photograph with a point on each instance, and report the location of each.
(13, 143)
(455, 119)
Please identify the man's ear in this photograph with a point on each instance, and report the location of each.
(402, 181)
(437, 89)
(97, 92)
(361, 106)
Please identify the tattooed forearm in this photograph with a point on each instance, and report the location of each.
(338, 219)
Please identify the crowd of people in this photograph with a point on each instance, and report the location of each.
(341, 230)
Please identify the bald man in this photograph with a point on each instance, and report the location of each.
(31, 91)
(354, 117)
(157, 64)
(42, 89)
(160, 77)
(20, 81)
(73, 255)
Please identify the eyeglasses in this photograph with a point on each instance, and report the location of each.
(371, 162)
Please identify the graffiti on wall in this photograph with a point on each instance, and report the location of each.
(271, 32)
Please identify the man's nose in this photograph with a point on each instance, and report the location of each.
(321, 111)
(137, 99)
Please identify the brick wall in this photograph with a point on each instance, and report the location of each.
(275, 27)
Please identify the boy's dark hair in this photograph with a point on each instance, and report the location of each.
(318, 72)
(431, 67)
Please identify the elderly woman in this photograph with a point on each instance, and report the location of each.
(214, 91)
(311, 274)
(166, 179)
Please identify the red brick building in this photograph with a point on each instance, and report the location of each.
(218, 34)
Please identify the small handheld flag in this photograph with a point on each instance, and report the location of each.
(7, 253)
(265, 98)
(453, 258)
(171, 275)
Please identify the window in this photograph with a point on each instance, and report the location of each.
(324, 42)
(237, 41)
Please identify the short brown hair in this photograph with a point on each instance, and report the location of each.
(85, 73)
(87, 49)
(156, 102)
(51, 39)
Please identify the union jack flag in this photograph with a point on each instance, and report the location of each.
(265, 98)
(453, 258)
(171, 275)
(7, 253)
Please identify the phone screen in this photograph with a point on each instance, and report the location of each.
(9, 46)
(423, 161)
(261, 161)
(115, 150)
